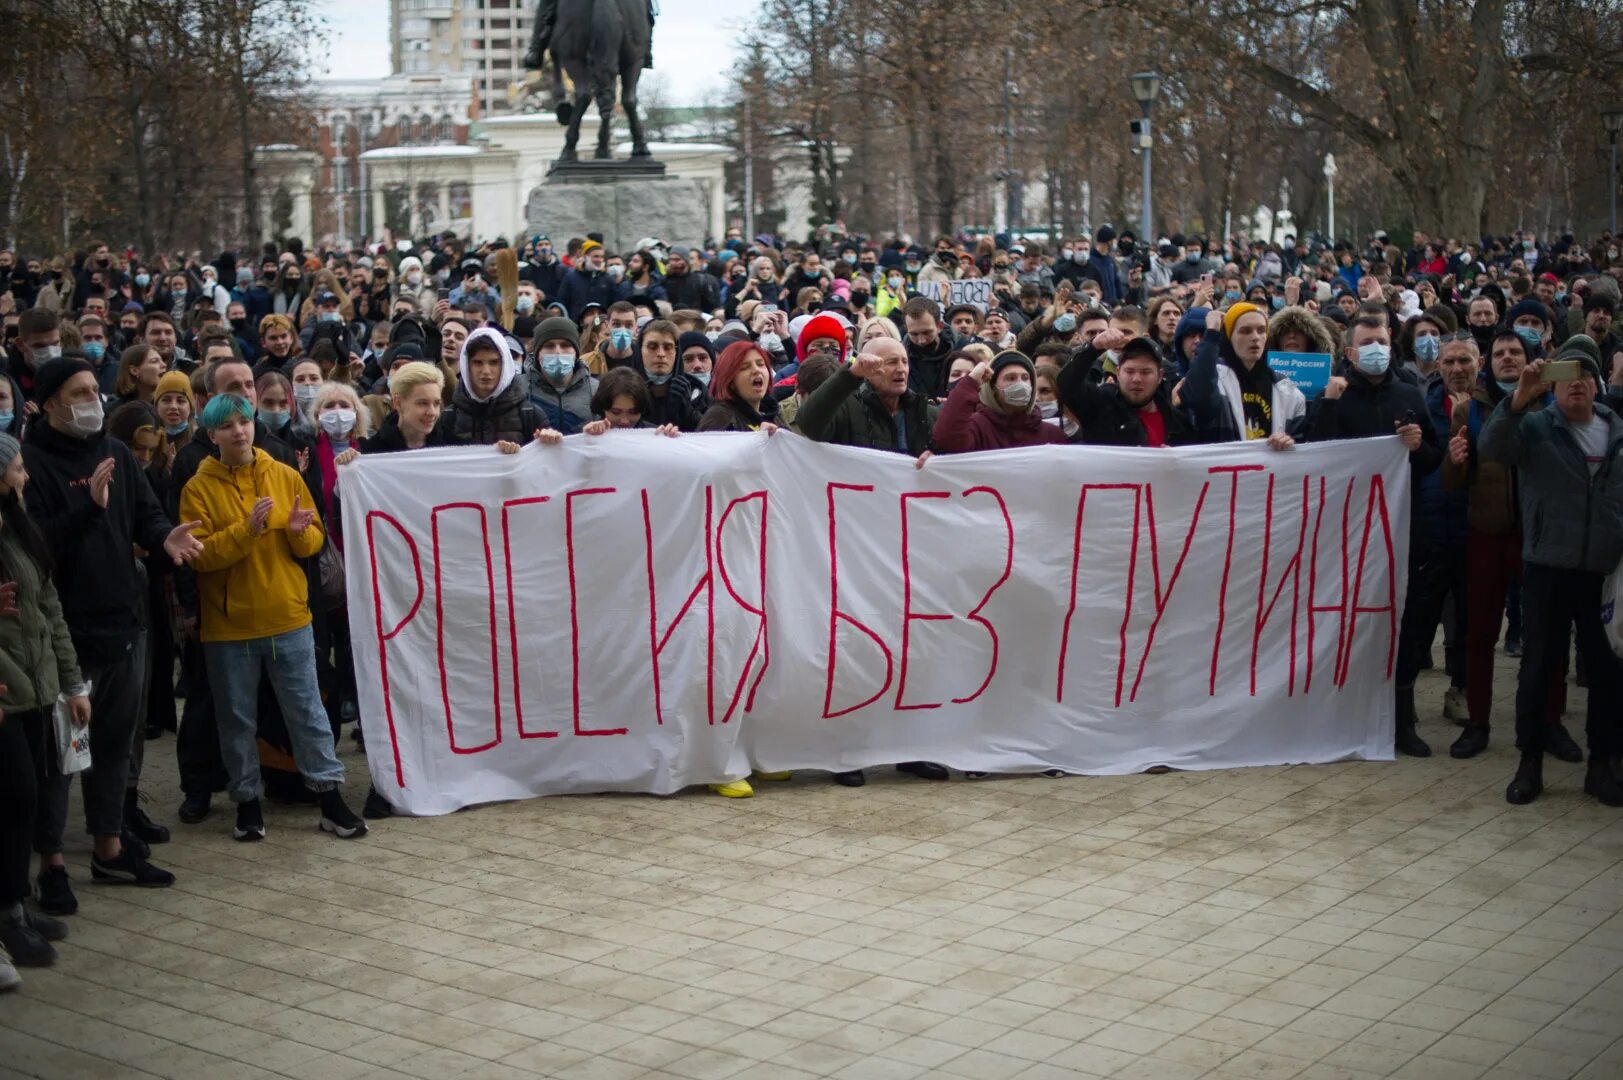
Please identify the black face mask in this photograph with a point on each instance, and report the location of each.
(859, 299)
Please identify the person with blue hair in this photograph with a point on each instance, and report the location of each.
(258, 524)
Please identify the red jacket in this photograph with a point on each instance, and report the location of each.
(965, 424)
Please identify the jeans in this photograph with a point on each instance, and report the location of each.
(1553, 602)
(289, 661)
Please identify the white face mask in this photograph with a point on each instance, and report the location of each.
(87, 418)
(338, 423)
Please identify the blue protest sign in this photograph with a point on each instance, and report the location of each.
(1309, 371)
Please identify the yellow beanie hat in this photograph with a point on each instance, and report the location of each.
(1232, 316)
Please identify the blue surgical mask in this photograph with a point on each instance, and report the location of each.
(770, 341)
(1065, 324)
(1233, 296)
(659, 380)
(1191, 256)
(7, 417)
(1427, 347)
(1374, 358)
(94, 351)
(700, 377)
(1277, 303)
(1507, 387)
(175, 430)
(305, 395)
(1530, 337)
(620, 339)
(557, 366)
(524, 304)
(274, 419)
(143, 280)
(332, 316)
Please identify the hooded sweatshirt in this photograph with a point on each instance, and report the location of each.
(250, 586)
(505, 415)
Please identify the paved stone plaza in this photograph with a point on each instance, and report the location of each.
(1337, 921)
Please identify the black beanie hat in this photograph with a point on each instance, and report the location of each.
(557, 328)
(694, 338)
(50, 376)
(1013, 356)
(1531, 307)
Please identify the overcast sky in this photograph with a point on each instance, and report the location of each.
(693, 41)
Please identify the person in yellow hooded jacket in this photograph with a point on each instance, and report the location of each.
(258, 522)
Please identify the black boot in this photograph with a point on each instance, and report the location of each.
(1528, 783)
(1472, 741)
(1601, 781)
(1406, 739)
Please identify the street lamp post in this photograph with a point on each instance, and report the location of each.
(1330, 185)
(1614, 123)
(1146, 88)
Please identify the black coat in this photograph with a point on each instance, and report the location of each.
(1369, 409)
(694, 290)
(1106, 419)
(103, 592)
(389, 440)
(683, 403)
(509, 417)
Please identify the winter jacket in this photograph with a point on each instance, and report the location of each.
(509, 416)
(967, 422)
(682, 402)
(1492, 504)
(1105, 419)
(1109, 276)
(582, 287)
(1193, 322)
(846, 411)
(736, 415)
(1211, 392)
(250, 586)
(927, 364)
(1443, 509)
(1296, 318)
(567, 408)
(37, 660)
(548, 277)
(103, 596)
(694, 290)
(1570, 520)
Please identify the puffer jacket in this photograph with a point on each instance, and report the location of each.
(37, 660)
(1489, 487)
(846, 412)
(1571, 520)
(507, 417)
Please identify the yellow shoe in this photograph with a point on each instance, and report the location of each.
(737, 789)
(784, 775)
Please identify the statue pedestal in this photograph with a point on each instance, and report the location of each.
(624, 200)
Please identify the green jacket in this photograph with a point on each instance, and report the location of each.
(845, 411)
(36, 654)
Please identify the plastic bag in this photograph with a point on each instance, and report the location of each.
(72, 741)
(1611, 609)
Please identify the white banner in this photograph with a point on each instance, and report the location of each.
(629, 612)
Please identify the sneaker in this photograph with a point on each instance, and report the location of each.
(26, 947)
(338, 819)
(127, 869)
(376, 806)
(9, 979)
(136, 821)
(1454, 707)
(924, 770)
(195, 808)
(56, 892)
(250, 824)
(736, 789)
(1558, 743)
(853, 778)
(1513, 646)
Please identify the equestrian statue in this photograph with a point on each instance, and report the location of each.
(594, 41)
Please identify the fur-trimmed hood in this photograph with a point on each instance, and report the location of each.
(1300, 319)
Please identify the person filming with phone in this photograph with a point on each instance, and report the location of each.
(1571, 489)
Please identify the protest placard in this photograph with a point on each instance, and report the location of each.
(1309, 371)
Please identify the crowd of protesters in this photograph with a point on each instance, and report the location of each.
(173, 437)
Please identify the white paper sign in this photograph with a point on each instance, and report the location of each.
(635, 613)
